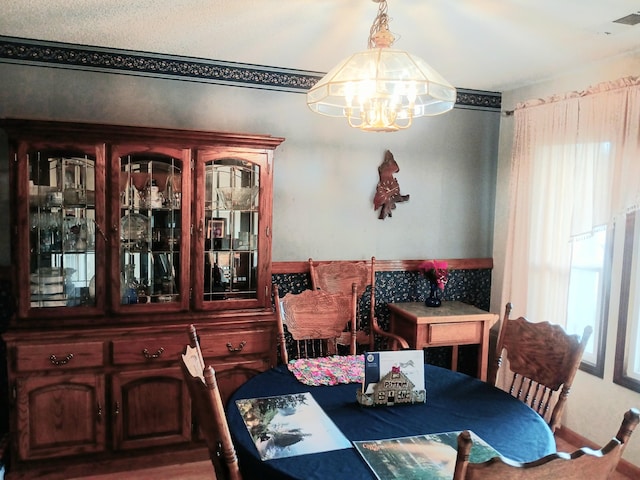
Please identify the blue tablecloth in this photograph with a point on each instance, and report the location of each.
(454, 402)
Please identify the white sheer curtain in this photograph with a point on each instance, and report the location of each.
(575, 167)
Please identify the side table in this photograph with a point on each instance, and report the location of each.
(452, 324)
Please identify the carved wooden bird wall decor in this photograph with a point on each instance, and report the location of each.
(388, 189)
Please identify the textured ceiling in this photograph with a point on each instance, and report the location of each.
(492, 45)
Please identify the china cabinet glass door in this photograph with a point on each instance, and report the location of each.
(62, 229)
(231, 229)
(232, 241)
(151, 256)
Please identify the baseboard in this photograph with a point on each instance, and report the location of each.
(624, 467)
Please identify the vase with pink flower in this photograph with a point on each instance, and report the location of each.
(436, 274)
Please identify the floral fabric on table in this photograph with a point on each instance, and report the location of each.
(328, 370)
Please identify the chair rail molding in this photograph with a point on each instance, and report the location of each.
(387, 265)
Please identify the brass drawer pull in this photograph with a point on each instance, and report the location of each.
(63, 361)
(238, 349)
(151, 356)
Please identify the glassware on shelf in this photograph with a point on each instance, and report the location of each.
(129, 285)
(237, 198)
(232, 192)
(61, 196)
(75, 178)
(82, 234)
(54, 199)
(91, 234)
(143, 292)
(160, 180)
(125, 190)
(242, 241)
(210, 195)
(75, 196)
(44, 195)
(75, 233)
(134, 230)
(150, 189)
(153, 196)
(50, 231)
(34, 221)
(168, 285)
(174, 190)
(140, 181)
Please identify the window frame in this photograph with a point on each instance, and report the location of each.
(619, 375)
(602, 320)
(600, 326)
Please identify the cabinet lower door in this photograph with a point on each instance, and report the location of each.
(60, 415)
(150, 408)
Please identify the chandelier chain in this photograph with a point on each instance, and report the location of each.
(381, 22)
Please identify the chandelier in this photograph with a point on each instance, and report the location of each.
(381, 89)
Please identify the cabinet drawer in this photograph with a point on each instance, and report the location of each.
(161, 348)
(237, 342)
(59, 356)
(455, 333)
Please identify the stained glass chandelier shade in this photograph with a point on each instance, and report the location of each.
(381, 89)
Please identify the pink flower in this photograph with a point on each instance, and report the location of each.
(435, 271)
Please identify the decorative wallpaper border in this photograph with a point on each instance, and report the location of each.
(130, 62)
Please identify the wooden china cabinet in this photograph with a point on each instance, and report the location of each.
(122, 237)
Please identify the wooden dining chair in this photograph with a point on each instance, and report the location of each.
(583, 464)
(209, 410)
(313, 320)
(339, 276)
(542, 360)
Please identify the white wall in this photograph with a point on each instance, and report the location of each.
(325, 172)
(595, 405)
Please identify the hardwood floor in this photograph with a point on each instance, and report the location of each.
(188, 471)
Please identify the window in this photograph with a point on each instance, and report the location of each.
(627, 359)
(588, 301)
(575, 171)
(573, 250)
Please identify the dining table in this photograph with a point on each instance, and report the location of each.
(454, 402)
